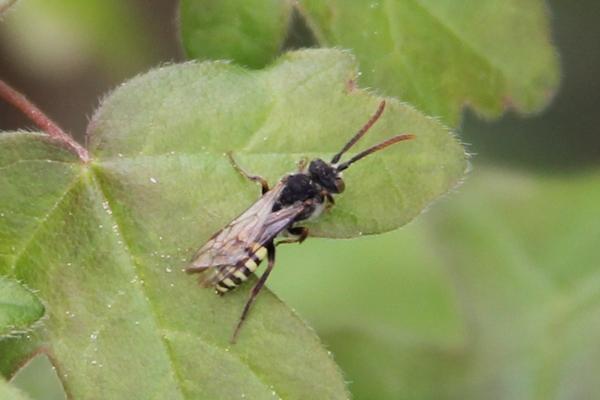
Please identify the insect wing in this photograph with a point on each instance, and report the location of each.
(229, 243)
(280, 220)
(219, 257)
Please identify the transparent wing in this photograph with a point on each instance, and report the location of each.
(219, 257)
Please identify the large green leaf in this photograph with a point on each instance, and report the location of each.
(105, 243)
(436, 55)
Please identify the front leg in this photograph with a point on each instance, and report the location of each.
(300, 233)
(302, 165)
(330, 200)
(255, 178)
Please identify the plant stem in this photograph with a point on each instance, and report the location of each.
(41, 120)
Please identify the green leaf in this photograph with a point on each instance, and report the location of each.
(125, 323)
(105, 243)
(430, 54)
(249, 32)
(19, 308)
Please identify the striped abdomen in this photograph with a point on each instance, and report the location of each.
(231, 276)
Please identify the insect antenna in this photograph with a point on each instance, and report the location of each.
(373, 149)
(360, 133)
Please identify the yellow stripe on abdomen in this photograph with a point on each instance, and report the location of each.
(243, 269)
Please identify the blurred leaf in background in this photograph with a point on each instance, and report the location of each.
(92, 31)
(429, 54)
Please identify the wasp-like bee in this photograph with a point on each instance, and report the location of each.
(231, 255)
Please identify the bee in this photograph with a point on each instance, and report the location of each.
(231, 255)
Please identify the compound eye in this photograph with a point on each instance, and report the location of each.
(339, 184)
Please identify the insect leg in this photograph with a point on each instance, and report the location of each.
(330, 200)
(299, 232)
(302, 164)
(256, 289)
(255, 178)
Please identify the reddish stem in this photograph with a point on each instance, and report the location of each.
(41, 120)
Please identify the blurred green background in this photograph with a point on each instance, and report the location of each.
(493, 293)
